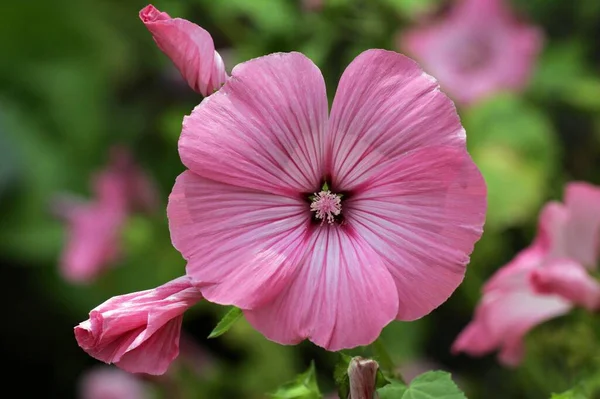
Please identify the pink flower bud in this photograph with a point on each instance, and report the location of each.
(139, 332)
(363, 377)
(190, 47)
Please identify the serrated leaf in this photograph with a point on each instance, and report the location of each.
(303, 387)
(430, 385)
(226, 322)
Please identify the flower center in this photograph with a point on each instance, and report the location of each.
(326, 205)
(473, 54)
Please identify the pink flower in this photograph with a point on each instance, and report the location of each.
(477, 49)
(256, 214)
(190, 47)
(111, 383)
(94, 227)
(544, 281)
(139, 332)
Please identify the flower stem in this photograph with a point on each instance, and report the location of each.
(385, 360)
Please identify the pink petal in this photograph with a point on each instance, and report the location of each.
(242, 245)
(264, 129)
(93, 241)
(475, 340)
(422, 215)
(385, 106)
(342, 297)
(111, 383)
(568, 279)
(550, 237)
(503, 319)
(155, 354)
(512, 352)
(582, 233)
(140, 329)
(514, 275)
(509, 309)
(190, 47)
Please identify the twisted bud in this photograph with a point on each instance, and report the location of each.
(363, 378)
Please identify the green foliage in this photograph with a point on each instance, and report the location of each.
(513, 144)
(78, 77)
(303, 387)
(226, 322)
(431, 385)
(340, 374)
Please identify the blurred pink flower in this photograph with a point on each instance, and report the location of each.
(255, 233)
(139, 332)
(312, 5)
(93, 238)
(190, 47)
(544, 281)
(111, 383)
(477, 49)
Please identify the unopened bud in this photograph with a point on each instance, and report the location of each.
(363, 378)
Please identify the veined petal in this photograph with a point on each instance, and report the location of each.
(342, 297)
(422, 215)
(190, 47)
(569, 279)
(154, 354)
(242, 245)
(385, 106)
(264, 129)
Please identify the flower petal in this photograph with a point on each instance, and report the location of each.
(190, 47)
(93, 241)
(384, 107)
(569, 279)
(582, 233)
(264, 129)
(242, 245)
(342, 297)
(503, 318)
(422, 215)
(155, 354)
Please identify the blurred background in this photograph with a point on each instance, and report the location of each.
(78, 77)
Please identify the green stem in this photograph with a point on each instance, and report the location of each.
(385, 360)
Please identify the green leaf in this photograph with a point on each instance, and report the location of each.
(513, 144)
(303, 387)
(430, 385)
(340, 374)
(226, 322)
(570, 394)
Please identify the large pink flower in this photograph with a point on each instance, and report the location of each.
(319, 227)
(544, 281)
(139, 332)
(477, 49)
(190, 47)
(93, 238)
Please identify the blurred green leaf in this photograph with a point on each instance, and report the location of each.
(513, 144)
(575, 393)
(303, 387)
(340, 375)
(413, 8)
(430, 385)
(563, 75)
(226, 322)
